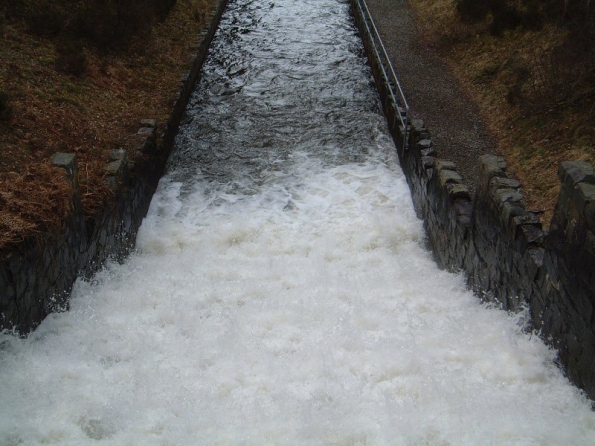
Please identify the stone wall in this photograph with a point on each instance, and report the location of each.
(37, 276)
(500, 246)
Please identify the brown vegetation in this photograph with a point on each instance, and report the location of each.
(77, 76)
(531, 66)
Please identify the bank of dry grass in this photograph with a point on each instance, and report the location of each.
(534, 84)
(46, 108)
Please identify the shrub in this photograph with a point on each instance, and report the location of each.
(112, 24)
(46, 20)
(105, 24)
(162, 7)
(504, 14)
(473, 11)
(10, 9)
(71, 58)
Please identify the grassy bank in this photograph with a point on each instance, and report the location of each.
(77, 77)
(531, 67)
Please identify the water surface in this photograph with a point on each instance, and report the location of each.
(281, 292)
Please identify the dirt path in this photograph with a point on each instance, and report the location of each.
(433, 92)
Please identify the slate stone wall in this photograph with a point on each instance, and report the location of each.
(37, 276)
(501, 247)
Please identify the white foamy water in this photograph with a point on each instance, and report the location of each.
(287, 299)
(248, 322)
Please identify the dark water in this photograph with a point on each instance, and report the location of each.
(281, 77)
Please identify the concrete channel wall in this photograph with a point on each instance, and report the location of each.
(36, 277)
(500, 246)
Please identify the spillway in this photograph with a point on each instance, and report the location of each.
(281, 292)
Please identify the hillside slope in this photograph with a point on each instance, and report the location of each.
(77, 77)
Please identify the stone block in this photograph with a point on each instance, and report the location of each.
(503, 183)
(111, 183)
(148, 132)
(116, 168)
(423, 134)
(442, 164)
(490, 166)
(573, 172)
(535, 257)
(425, 144)
(527, 236)
(584, 195)
(458, 191)
(429, 175)
(507, 195)
(511, 210)
(67, 161)
(527, 219)
(118, 155)
(417, 125)
(448, 176)
(148, 123)
(428, 162)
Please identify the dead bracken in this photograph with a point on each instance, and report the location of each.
(63, 89)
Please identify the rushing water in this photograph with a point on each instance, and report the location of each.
(281, 293)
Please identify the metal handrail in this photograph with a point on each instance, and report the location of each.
(395, 90)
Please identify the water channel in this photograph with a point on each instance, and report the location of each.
(281, 292)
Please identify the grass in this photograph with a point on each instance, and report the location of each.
(535, 94)
(45, 109)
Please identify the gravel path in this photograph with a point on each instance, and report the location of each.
(432, 90)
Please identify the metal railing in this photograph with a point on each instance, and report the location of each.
(395, 91)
